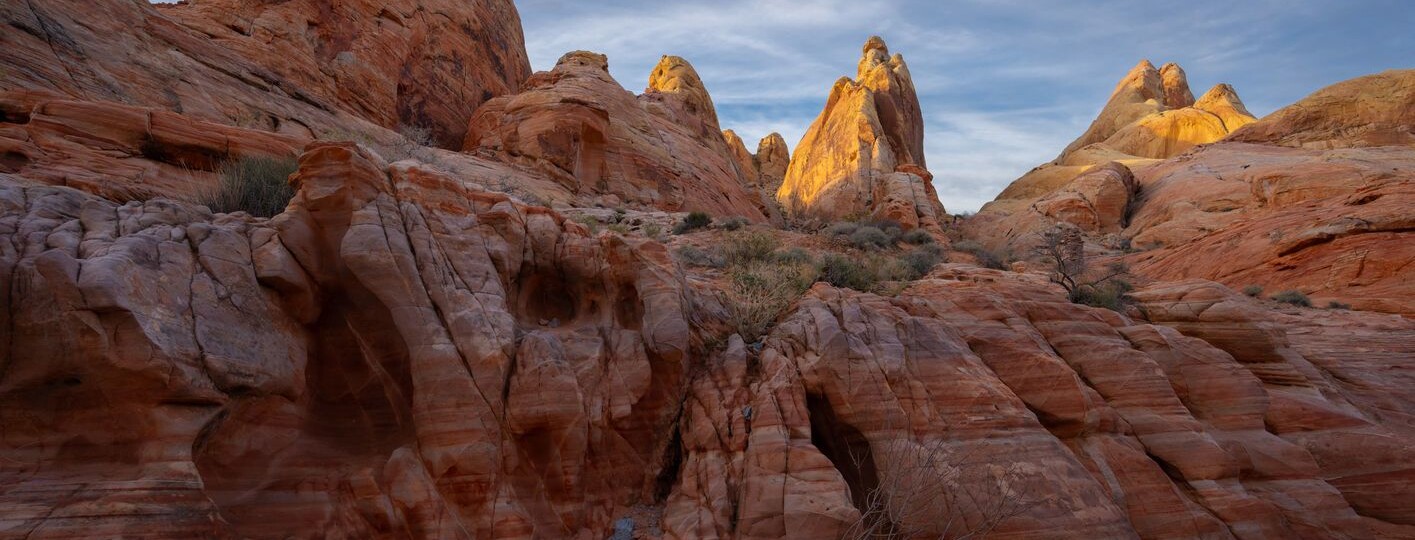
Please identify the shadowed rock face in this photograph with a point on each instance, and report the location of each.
(300, 67)
(863, 156)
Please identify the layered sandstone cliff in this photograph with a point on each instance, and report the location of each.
(864, 156)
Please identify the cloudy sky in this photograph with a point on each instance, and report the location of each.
(1004, 84)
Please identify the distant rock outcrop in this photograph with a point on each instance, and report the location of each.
(662, 149)
(1308, 198)
(865, 148)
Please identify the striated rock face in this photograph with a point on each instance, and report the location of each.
(120, 152)
(430, 360)
(850, 161)
(299, 67)
(1375, 110)
(764, 170)
(773, 159)
(1334, 224)
(663, 149)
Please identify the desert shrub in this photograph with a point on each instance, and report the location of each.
(590, 223)
(651, 230)
(694, 256)
(1337, 305)
(256, 185)
(1254, 291)
(922, 259)
(733, 223)
(1109, 294)
(692, 222)
(793, 255)
(892, 229)
(761, 291)
(846, 272)
(997, 260)
(411, 143)
(917, 237)
(745, 247)
(618, 228)
(843, 229)
(1293, 297)
(869, 237)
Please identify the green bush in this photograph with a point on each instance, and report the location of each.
(923, 259)
(258, 186)
(761, 291)
(1254, 291)
(843, 228)
(1108, 294)
(794, 255)
(845, 272)
(745, 247)
(1337, 305)
(1293, 297)
(692, 222)
(733, 223)
(693, 256)
(987, 258)
(918, 237)
(869, 237)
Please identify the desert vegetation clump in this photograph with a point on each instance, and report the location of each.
(1338, 305)
(1294, 297)
(1063, 252)
(996, 260)
(1255, 291)
(692, 222)
(257, 185)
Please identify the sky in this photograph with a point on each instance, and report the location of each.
(1004, 84)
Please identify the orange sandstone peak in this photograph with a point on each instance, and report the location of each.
(870, 131)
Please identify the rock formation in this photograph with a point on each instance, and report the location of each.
(662, 149)
(1375, 110)
(299, 67)
(764, 170)
(411, 349)
(1308, 198)
(864, 155)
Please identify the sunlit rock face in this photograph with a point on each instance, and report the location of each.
(1374, 110)
(1151, 115)
(662, 149)
(866, 147)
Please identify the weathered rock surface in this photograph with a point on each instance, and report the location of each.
(1151, 115)
(429, 360)
(299, 67)
(662, 149)
(1375, 110)
(121, 152)
(864, 154)
(1305, 199)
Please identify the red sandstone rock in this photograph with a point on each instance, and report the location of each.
(301, 67)
(663, 149)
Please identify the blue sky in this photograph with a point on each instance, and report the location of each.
(1004, 84)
